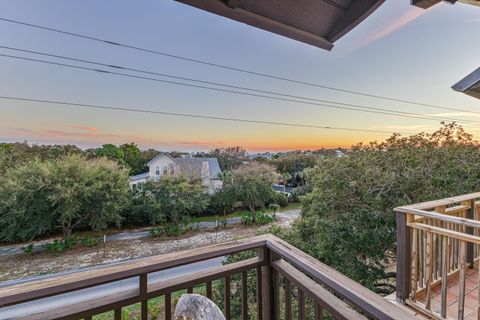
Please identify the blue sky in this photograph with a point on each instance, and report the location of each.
(399, 51)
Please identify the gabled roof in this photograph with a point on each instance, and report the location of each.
(470, 84)
(193, 166)
(161, 154)
(316, 22)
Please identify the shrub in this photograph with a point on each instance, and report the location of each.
(247, 219)
(264, 218)
(28, 249)
(89, 241)
(168, 230)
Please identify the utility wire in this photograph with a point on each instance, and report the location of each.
(222, 66)
(187, 115)
(234, 91)
(436, 118)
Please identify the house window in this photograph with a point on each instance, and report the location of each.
(165, 170)
(157, 170)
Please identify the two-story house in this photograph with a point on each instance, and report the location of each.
(207, 169)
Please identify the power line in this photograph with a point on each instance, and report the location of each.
(222, 66)
(234, 91)
(435, 118)
(187, 115)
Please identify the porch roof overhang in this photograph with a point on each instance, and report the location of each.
(316, 22)
(425, 4)
(470, 84)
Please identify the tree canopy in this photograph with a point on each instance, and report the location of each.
(41, 197)
(229, 158)
(348, 220)
(253, 185)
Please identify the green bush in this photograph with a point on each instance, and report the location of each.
(89, 241)
(28, 249)
(261, 218)
(58, 246)
(168, 230)
(247, 219)
(264, 218)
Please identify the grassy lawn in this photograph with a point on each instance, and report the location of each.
(239, 213)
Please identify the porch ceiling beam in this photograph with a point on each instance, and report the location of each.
(425, 4)
(356, 13)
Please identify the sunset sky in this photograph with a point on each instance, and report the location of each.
(399, 51)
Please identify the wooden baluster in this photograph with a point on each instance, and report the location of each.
(301, 305)
(461, 278)
(478, 291)
(318, 312)
(414, 266)
(428, 271)
(421, 256)
(288, 300)
(259, 294)
(276, 294)
(446, 246)
(168, 306)
(244, 296)
(117, 314)
(143, 296)
(209, 290)
(226, 298)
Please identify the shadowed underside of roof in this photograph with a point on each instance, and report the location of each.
(425, 4)
(317, 22)
(470, 84)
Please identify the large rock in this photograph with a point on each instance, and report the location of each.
(197, 307)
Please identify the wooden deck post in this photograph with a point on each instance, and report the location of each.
(270, 294)
(403, 258)
(469, 230)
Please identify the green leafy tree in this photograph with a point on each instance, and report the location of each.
(112, 152)
(292, 167)
(225, 198)
(347, 220)
(132, 156)
(228, 158)
(178, 196)
(253, 185)
(41, 197)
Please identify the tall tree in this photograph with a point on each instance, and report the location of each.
(229, 158)
(253, 185)
(347, 221)
(40, 197)
(177, 197)
(112, 152)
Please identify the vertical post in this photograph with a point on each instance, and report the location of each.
(269, 277)
(226, 298)
(403, 256)
(168, 306)
(469, 230)
(143, 296)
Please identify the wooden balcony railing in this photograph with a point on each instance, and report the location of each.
(437, 249)
(285, 281)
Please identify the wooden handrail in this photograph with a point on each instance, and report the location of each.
(324, 285)
(441, 217)
(352, 291)
(441, 202)
(338, 308)
(84, 279)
